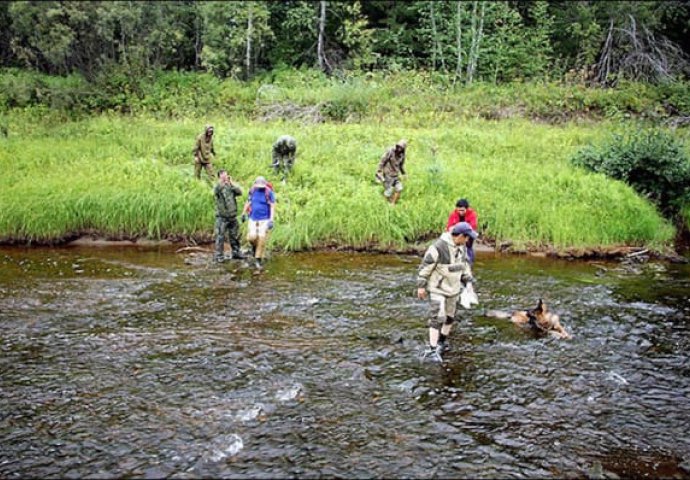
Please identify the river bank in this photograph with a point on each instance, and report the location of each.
(637, 253)
(128, 178)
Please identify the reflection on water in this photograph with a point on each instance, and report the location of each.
(150, 363)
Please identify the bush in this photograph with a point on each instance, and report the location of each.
(653, 162)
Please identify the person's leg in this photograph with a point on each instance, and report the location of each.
(437, 309)
(283, 169)
(397, 190)
(262, 237)
(450, 310)
(387, 187)
(253, 234)
(197, 169)
(209, 171)
(220, 229)
(290, 161)
(234, 235)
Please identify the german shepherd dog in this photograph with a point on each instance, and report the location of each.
(539, 319)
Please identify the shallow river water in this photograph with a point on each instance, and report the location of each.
(147, 363)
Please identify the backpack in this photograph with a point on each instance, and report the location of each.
(267, 192)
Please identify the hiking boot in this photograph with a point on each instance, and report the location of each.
(238, 255)
(219, 258)
(432, 352)
(258, 263)
(438, 351)
(445, 345)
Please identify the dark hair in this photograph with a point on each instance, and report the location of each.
(221, 171)
(462, 203)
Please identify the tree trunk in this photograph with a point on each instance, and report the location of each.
(476, 41)
(197, 36)
(468, 75)
(603, 66)
(320, 48)
(434, 34)
(250, 34)
(458, 30)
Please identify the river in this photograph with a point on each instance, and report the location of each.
(146, 363)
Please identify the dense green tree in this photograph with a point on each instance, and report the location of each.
(478, 39)
(234, 36)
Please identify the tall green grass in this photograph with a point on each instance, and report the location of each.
(132, 176)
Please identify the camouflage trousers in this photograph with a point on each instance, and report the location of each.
(442, 310)
(391, 184)
(282, 163)
(227, 226)
(206, 166)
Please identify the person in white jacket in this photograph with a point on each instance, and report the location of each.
(443, 273)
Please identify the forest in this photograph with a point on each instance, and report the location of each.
(598, 42)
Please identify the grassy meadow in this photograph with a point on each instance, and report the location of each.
(125, 176)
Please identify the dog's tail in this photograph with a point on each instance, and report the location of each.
(497, 314)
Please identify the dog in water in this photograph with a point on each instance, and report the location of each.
(539, 319)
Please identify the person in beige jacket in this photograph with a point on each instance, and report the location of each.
(443, 273)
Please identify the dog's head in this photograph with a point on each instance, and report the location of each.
(537, 314)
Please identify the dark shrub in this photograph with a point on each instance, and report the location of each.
(653, 162)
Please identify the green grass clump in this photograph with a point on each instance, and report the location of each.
(132, 176)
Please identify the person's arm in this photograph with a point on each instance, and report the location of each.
(236, 189)
(452, 220)
(425, 269)
(383, 161)
(472, 218)
(275, 156)
(402, 164)
(213, 148)
(197, 148)
(247, 205)
(466, 276)
(272, 205)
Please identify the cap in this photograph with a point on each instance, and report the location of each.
(402, 144)
(208, 127)
(260, 182)
(463, 228)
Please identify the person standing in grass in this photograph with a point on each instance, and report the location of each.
(226, 193)
(260, 209)
(204, 153)
(443, 273)
(391, 168)
(463, 213)
(284, 152)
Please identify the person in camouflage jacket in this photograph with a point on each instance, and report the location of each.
(225, 193)
(390, 168)
(284, 152)
(204, 153)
